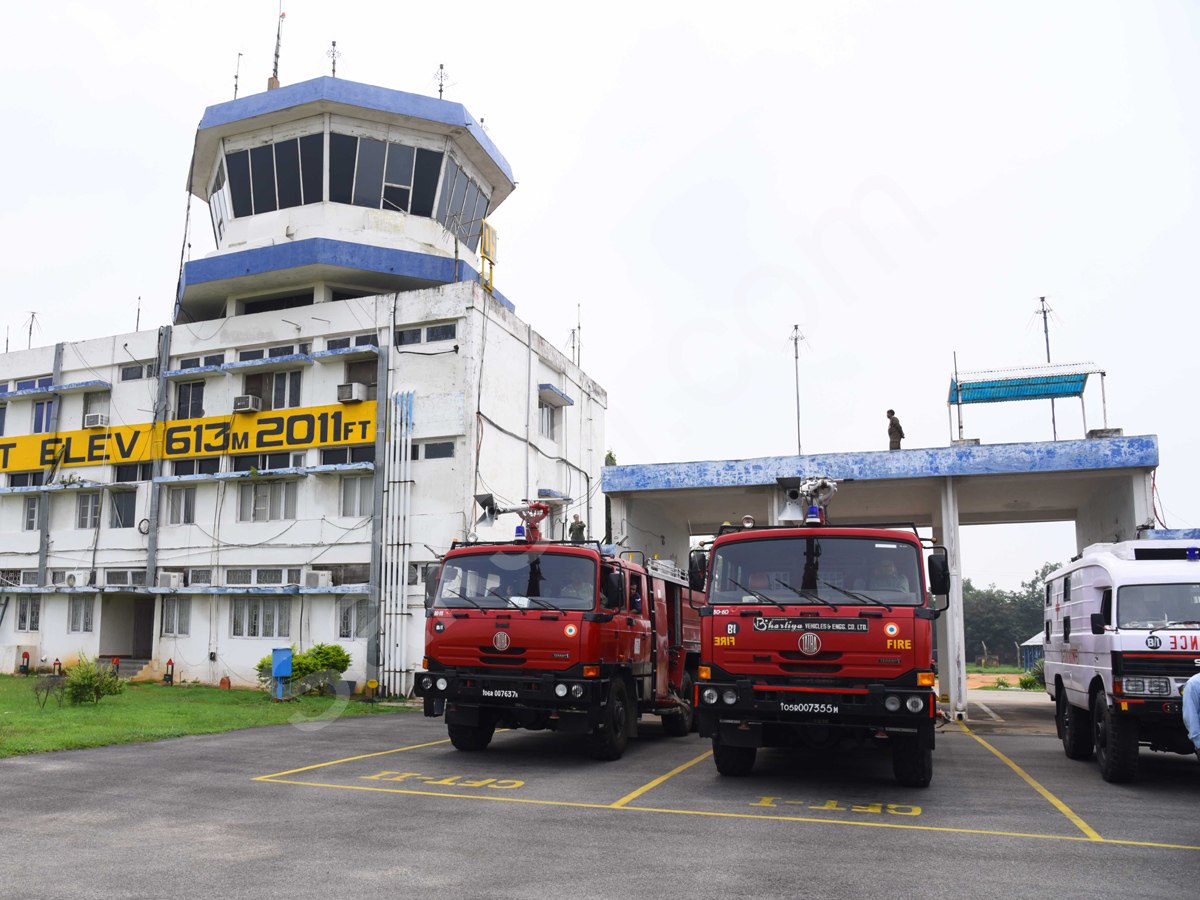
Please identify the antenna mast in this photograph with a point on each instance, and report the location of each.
(334, 54)
(237, 72)
(1044, 312)
(796, 338)
(138, 321)
(442, 78)
(273, 81)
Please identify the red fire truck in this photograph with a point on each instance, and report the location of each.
(815, 635)
(561, 636)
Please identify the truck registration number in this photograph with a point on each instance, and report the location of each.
(825, 708)
(499, 693)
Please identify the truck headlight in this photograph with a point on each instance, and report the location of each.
(1158, 686)
(915, 704)
(709, 696)
(577, 691)
(426, 682)
(1134, 686)
(730, 697)
(560, 690)
(442, 684)
(892, 703)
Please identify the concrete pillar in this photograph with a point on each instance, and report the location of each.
(951, 636)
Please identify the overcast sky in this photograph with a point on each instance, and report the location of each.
(685, 175)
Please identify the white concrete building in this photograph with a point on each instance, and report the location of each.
(286, 459)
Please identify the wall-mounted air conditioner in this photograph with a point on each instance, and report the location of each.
(247, 404)
(352, 393)
(80, 578)
(95, 420)
(318, 579)
(170, 579)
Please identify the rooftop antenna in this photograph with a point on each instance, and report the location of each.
(138, 321)
(441, 78)
(1044, 312)
(31, 324)
(6, 327)
(796, 337)
(237, 72)
(273, 81)
(334, 55)
(578, 336)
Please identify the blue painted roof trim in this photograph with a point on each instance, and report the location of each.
(555, 495)
(198, 371)
(934, 462)
(249, 365)
(357, 351)
(50, 391)
(353, 93)
(325, 251)
(555, 393)
(1172, 534)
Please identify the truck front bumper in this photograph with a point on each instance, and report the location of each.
(565, 696)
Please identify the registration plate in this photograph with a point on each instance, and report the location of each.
(818, 708)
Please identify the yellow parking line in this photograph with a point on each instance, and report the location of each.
(727, 815)
(659, 780)
(1058, 804)
(352, 759)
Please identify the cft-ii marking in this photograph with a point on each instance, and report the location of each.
(291, 429)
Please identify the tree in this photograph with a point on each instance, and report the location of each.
(1004, 618)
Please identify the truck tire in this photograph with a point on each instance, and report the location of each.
(681, 725)
(1075, 727)
(912, 766)
(1116, 740)
(470, 738)
(608, 742)
(736, 761)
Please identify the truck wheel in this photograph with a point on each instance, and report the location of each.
(1116, 739)
(681, 725)
(471, 737)
(1076, 728)
(733, 760)
(912, 766)
(610, 739)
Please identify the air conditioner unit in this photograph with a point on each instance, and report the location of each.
(80, 578)
(170, 579)
(247, 404)
(95, 420)
(352, 393)
(318, 579)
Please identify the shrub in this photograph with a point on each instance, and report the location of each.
(47, 686)
(1002, 682)
(1028, 682)
(1039, 672)
(316, 669)
(89, 683)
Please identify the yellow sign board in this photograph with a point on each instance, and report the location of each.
(266, 432)
(487, 243)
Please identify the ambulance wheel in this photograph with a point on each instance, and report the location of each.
(1075, 728)
(471, 737)
(1116, 739)
(912, 766)
(681, 725)
(733, 760)
(611, 738)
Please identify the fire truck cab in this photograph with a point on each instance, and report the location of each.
(558, 636)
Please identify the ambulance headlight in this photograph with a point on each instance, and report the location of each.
(709, 696)
(892, 703)
(442, 684)
(1158, 686)
(730, 697)
(560, 690)
(915, 704)
(1134, 685)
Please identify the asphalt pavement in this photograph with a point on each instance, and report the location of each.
(384, 804)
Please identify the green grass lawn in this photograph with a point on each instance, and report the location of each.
(995, 670)
(149, 712)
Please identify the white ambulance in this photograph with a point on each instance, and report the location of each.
(1122, 636)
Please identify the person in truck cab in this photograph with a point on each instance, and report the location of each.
(635, 595)
(886, 578)
(577, 587)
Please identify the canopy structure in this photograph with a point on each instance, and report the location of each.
(1048, 382)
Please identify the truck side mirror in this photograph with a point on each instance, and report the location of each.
(939, 574)
(614, 591)
(430, 592)
(1097, 623)
(697, 570)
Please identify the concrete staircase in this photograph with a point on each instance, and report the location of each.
(129, 668)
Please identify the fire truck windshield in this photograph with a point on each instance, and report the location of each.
(836, 570)
(1157, 605)
(524, 580)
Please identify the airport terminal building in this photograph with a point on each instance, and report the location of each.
(283, 463)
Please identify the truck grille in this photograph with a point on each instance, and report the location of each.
(824, 656)
(811, 668)
(1181, 666)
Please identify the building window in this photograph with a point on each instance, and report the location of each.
(353, 618)
(133, 472)
(265, 461)
(208, 466)
(81, 614)
(445, 332)
(181, 506)
(139, 371)
(462, 205)
(96, 403)
(277, 176)
(364, 372)
(29, 613)
(177, 616)
(190, 400)
(433, 450)
(195, 362)
(43, 410)
(3, 416)
(267, 501)
(548, 421)
(382, 175)
(358, 495)
(339, 456)
(26, 479)
(360, 340)
(123, 509)
(277, 390)
(87, 511)
(261, 617)
(30, 520)
(407, 336)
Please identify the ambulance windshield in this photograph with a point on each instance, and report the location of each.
(808, 570)
(1156, 605)
(497, 579)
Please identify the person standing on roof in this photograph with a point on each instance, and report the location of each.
(895, 432)
(578, 530)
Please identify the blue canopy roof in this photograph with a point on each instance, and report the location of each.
(1023, 383)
